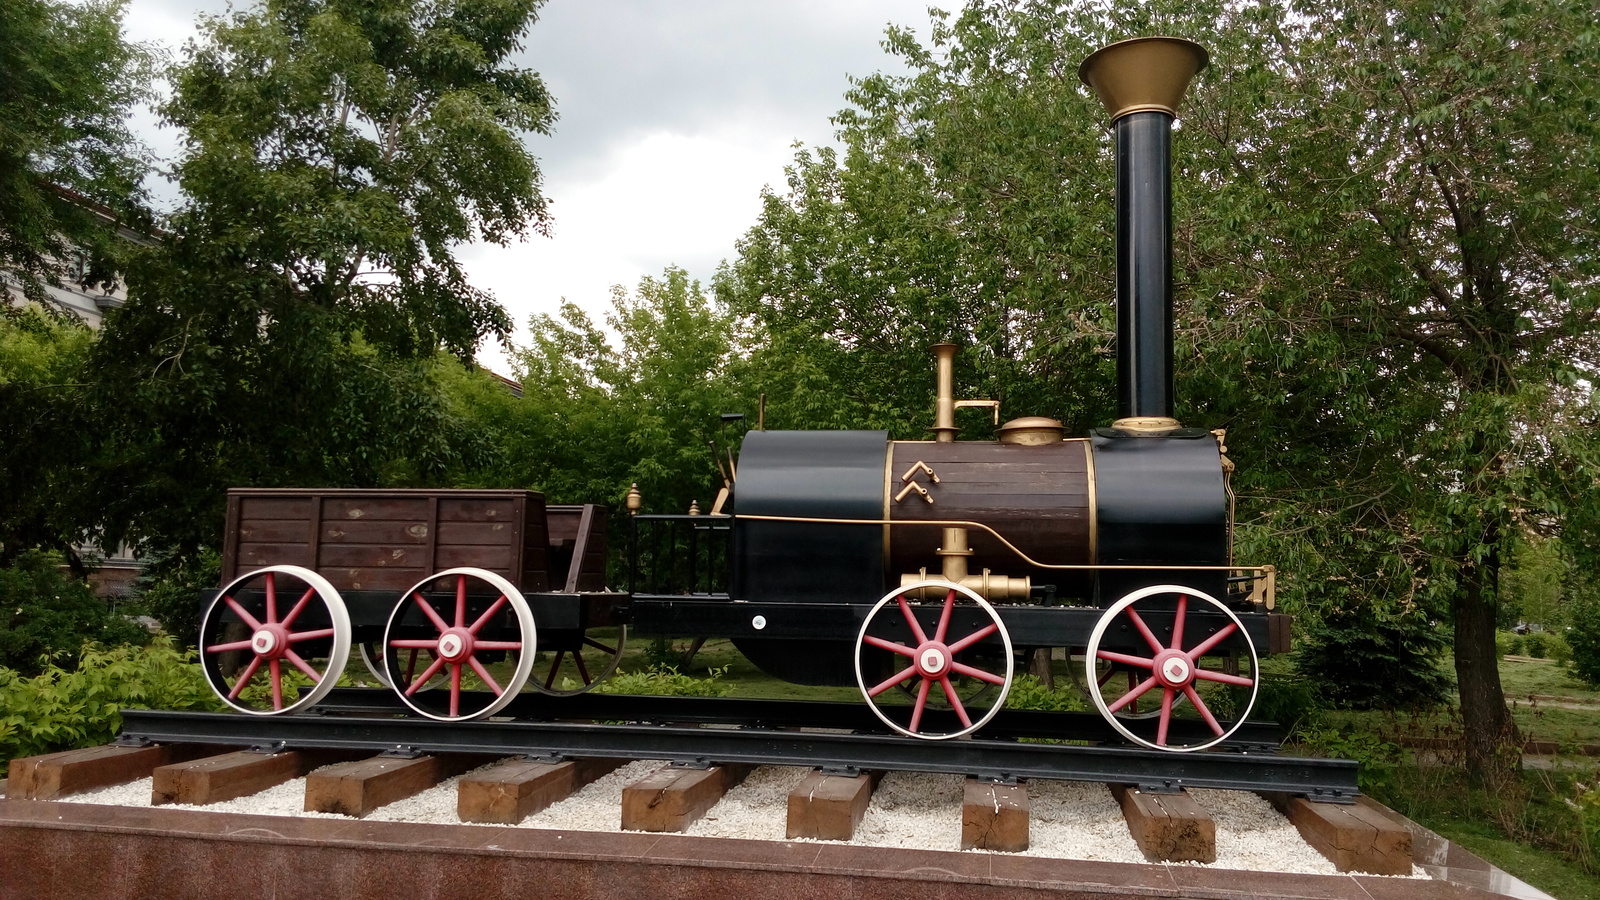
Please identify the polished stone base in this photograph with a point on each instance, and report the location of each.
(74, 851)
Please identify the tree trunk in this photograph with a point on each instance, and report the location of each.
(1494, 749)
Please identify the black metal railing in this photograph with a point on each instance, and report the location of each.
(680, 555)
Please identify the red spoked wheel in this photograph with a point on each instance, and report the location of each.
(580, 660)
(471, 637)
(1157, 620)
(270, 634)
(935, 668)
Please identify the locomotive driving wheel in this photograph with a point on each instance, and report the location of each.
(1153, 620)
(270, 633)
(950, 658)
(472, 637)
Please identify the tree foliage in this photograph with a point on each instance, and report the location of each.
(68, 162)
(284, 332)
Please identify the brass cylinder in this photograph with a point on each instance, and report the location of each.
(953, 554)
(944, 412)
(989, 587)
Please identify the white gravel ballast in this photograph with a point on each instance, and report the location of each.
(1068, 820)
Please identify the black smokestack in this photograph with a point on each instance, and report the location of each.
(1141, 82)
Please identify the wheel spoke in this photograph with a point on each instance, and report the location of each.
(944, 615)
(1166, 714)
(1223, 677)
(979, 674)
(611, 651)
(461, 603)
(231, 645)
(955, 702)
(1149, 636)
(300, 605)
(427, 674)
(916, 627)
(244, 679)
(277, 682)
(583, 670)
(303, 666)
(909, 671)
(922, 703)
(1133, 694)
(411, 664)
(497, 645)
(1177, 622)
(427, 608)
(554, 668)
(299, 636)
(1215, 639)
(484, 674)
(407, 644)
(455, 688)
(891, 646)
(240, 612)
(973, 638)
(1125, 659)
(484, 619)
(1205, 712)
(272, 598)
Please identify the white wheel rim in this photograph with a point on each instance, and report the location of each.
(1092, 653)
(1005, 639)
(338, 654)
(519, 676)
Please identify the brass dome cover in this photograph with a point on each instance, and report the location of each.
(1032, 431)
(1144, 74)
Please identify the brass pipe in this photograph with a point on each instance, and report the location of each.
(944, 411)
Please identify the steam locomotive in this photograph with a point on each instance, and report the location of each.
(922, 572)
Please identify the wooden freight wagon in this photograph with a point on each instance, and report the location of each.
(431, 587)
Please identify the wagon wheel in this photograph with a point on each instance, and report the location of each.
(582, 661)
(484, 621)
(913, 641)
(1173, 671)
(285, 624)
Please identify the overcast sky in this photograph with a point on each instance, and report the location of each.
(673, 115)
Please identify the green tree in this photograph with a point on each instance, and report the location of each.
(68, 163)
(336, 154)
(642, 407)
(49, 432)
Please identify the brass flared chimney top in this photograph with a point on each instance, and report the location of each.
(1145, 74)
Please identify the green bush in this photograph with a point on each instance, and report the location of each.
(1361, 658)
(666, 681)
(1508, 643)
(46, 614)
(63, 708)
(1376, 757)
(1535, 644)
(1291, 702)
(1028, 692)
(1583, 636)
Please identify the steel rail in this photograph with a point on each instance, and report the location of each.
(596, 707)
(1320, 779)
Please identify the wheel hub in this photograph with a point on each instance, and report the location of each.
(270, 641)
(1173, 669)
(455, 645)
(933, 659)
